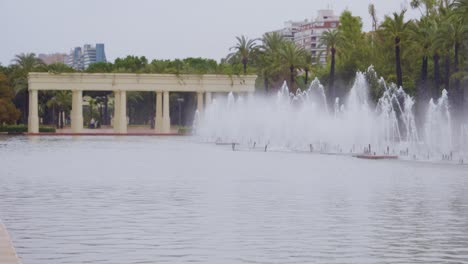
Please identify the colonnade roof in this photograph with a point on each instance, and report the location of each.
(141, 82)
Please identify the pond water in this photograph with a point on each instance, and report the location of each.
(175, 200)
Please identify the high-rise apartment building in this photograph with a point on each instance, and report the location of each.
(307, 34)
(80, 58)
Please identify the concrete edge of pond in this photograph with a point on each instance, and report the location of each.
(108, 134)
(7, 251)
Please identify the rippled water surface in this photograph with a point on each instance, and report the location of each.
(172, 200)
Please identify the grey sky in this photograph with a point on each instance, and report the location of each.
(157, 29)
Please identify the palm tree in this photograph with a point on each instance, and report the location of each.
(270, 59)
(294, 57)
(421, 38)
(244, 49)
(27, 61)
(460, 8)
(373, 14)
(307, 65)
(450, 39)
(23, 64)
(331, 39)
(61, 101)
(133, 100)
(396, 27)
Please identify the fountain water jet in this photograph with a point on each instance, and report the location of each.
(302, 121)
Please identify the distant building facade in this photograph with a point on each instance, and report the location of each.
(307, 34)
(80, 58)
(52, 58)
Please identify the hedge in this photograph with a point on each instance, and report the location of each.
(185, 130)
(13, 129)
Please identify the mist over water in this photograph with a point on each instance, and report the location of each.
(305, 120)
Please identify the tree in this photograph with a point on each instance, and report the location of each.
(373, 14)
(421, 37)
(307, 65)
(244, 50)
(294, 57)
(396, 27)
(23, 64)
(8, 112)
(100, 67)
(353, 48)
(132, 64)
(428, 4)
(331, 39)
(460, 8)
(270, 62)
(60, 103)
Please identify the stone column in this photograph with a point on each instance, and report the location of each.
(200, 102)
(77, 111)
(159, 113)
(208, 99)
(123, 112)
(166, 116)
(116, 111)
(33, 118)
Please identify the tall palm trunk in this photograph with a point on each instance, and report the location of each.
(265, 83)
(244, 62)
(307, 76)
(62, 118)
(436, 59)
(291, 69)
(398, 62)
(54, 122)
(106, 111)
(447, 72)
(457, 90)
(26, 107)
(424, 68)
(331, 81)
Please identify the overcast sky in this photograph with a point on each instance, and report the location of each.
(156, 28)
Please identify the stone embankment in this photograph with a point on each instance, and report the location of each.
(7, 251)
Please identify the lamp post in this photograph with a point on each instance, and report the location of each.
(180, 100)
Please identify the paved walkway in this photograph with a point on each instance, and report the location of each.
(7, 252)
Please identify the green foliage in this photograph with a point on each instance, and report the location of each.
(13, 129)
(8, 112)
(244, 51)
(100, 67)
(184, 131)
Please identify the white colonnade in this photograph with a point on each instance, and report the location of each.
(162, 84)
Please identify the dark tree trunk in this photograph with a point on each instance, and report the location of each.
(153, 110)
(447, 72)
(424, 92)
(398, 62)
(61, 117)
(291, 69)
(307, 76)
(26, 107)
(265, 83)
(106, 110)
(54, 122)
(436, 91)
(331, 81)
(244, 62)
(456, 83)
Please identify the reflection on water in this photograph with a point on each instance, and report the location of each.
(153, 200)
